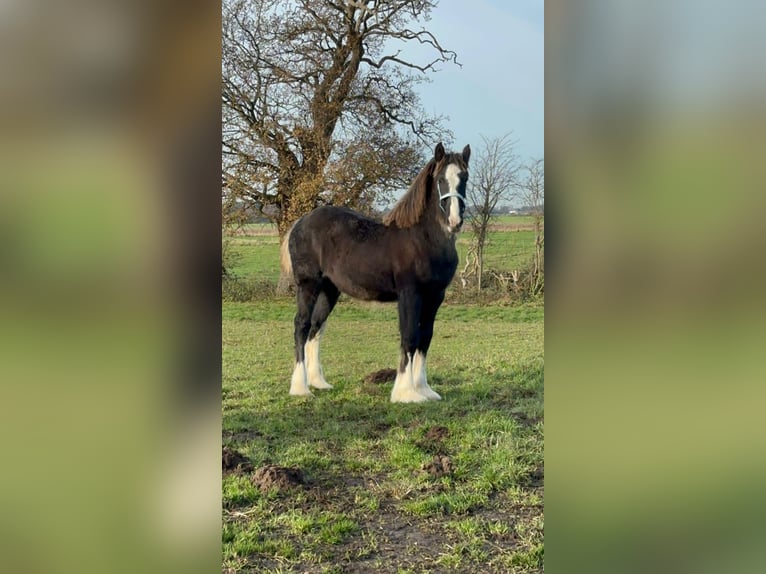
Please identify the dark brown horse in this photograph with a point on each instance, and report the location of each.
(409, 258)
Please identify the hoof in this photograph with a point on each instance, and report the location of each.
(429, 394)
(320, 384)
(407, 396)
(298, 386)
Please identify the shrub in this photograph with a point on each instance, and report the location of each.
(242, 290)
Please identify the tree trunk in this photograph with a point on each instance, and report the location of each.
(538, 255)
(284, 285)
(480, 264)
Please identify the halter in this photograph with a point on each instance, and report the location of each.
(446, 195)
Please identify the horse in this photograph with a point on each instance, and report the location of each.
(409, 257)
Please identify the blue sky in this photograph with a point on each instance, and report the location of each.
(500, 87)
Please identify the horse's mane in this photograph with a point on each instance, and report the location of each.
(410, 208)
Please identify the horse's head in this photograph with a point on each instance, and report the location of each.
(450, 180)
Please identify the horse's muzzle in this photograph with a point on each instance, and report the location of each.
(456, 227)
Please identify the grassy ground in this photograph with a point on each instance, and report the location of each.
(454, 485)
(518, 220)
(255, 257)
(505, 250)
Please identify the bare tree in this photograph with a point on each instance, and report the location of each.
(492, 180)
(532, 194)
(319, 104)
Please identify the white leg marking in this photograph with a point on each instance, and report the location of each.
(298, 384)
(404, 387)
(314, 371)
(420, 378)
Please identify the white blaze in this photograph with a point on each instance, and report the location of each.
(452, 175)
(454, 212)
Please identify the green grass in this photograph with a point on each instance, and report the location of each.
(513, 220)
(369, 504)
(505, 250)
(255, 257)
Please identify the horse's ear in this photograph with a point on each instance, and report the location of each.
(439, 152)
(466, 153)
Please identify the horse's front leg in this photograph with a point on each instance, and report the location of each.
(410, 305)
(429, 307)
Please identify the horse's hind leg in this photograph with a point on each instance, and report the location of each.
(306, 297)
(325, 303)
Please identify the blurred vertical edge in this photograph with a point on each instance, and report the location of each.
(655, 326)
(110, 286)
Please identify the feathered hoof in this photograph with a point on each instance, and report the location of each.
(429, 393)
(407, 396)
(320, 384)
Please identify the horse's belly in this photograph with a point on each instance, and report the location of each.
(366, 288)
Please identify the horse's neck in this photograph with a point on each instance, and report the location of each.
(432, 231)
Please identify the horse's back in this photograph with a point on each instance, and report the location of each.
(331, 221)
(346, 247)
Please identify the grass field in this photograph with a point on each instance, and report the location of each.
(448, 486)
(455, 485)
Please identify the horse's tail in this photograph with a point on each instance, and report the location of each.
(284, 254)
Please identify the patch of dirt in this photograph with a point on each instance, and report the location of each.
(441, 465)
(278, 477)
(433, 440)
(402, 544)
(234, 461)
(401, 541)
(380, 377)
(437, 434)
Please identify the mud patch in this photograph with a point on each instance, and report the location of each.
(278, 477)
(440, 466)
(234, 461)
(433, 440)
(380, 377)
(436, 434)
